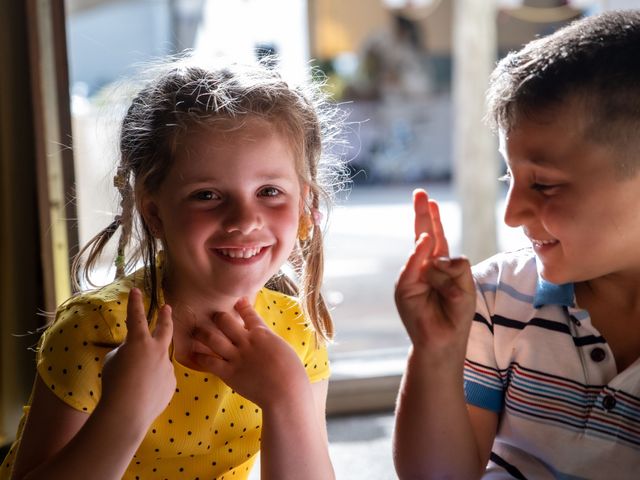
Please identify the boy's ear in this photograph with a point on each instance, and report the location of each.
(151, 215)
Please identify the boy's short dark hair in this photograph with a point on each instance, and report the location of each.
(594, 60)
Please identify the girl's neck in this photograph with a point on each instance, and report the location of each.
(193, 306)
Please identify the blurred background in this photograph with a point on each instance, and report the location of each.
(411, 75)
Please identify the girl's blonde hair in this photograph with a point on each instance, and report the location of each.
(183, 94)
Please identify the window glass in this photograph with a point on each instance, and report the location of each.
(388, 63)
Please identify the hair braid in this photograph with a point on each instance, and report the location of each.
(121, 182)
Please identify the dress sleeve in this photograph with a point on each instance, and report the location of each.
(483, 383)
(316, 361)
(72, 351)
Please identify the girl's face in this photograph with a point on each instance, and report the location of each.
(228, 210)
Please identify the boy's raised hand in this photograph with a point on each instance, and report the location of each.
(435, 294)
(138, 377)
(248, 356)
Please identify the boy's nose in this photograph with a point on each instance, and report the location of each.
(517, 208)
(243, 218)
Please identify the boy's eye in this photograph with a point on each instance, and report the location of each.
(541, 187)
(269, 192)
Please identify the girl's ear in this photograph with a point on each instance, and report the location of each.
(151, 215)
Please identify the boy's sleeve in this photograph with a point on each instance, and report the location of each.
(483, 383)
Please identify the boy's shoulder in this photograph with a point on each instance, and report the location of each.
(518, 265)
(508, 284)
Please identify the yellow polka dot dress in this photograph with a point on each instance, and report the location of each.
(207, 431)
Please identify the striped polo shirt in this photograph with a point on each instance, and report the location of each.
(535, 358)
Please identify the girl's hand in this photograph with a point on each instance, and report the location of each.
(138, 377)
(435, 294)
(249, 357)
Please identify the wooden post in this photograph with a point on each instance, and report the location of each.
(475, 152)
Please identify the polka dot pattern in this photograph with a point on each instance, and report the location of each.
(207, 430)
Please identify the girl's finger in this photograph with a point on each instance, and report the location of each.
(442, 246)
(232, 328)
(215, 340)
(422, 222)
(136, 321)
(248, 314)
(210, 363)
(199, 347)
(164, 326)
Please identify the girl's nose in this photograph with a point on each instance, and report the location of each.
(243, 218)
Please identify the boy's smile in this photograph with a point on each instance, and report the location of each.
(581, 216)
(228, 210)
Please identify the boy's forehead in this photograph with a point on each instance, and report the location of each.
(545, 135)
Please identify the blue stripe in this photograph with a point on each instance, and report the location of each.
(552, 418)
(554, 391)
(508, 289)
(577, 401)
(487, 381)
(483, 396)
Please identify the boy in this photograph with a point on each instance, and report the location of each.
(550, 361)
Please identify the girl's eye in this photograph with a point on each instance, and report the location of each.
(205, 195)
(269, 192)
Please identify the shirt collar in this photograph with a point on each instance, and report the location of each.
(548, 293)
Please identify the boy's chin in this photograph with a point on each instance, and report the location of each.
(555, 276)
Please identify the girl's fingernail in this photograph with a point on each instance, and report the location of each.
(242, 302)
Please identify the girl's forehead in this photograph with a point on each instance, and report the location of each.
(227, 135)
(224, 132)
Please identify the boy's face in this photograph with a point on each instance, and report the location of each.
(583, 220)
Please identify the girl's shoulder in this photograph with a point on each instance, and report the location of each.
(100, 313)
(275, 297)
(283, 314)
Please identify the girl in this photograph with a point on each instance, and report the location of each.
(189, 366)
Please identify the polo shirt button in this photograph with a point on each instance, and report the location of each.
(598, 354)
(609, 402)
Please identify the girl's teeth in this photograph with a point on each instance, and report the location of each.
(239, 252)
